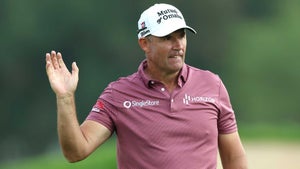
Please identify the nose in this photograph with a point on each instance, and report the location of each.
(178, 44)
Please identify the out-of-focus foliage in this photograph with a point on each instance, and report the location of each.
(251, 44)
(265, 64)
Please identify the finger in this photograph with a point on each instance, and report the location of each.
(61, 62)
(49, 66)
(47, 56)
(54, 60)
(75, 69)
(48, 59)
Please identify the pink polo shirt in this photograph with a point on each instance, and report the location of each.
(161, 130)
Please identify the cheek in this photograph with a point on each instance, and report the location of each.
(159, 51)
(156, 52)
(163, 51)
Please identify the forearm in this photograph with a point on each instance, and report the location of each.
(239, 162)
(71, 138)
(232, 152)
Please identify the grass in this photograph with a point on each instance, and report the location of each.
(279, 132)
(105, 156)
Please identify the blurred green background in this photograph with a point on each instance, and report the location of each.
(252, 44)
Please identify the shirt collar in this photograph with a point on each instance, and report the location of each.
(149, 82)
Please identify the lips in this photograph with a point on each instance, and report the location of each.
(175, 54)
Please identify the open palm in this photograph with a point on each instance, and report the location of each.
(62, 81)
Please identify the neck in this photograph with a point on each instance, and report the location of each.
(168, 79)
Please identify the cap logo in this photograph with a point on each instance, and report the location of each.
(143, 25)
(168, 14)
(143, 29)
(159, 20)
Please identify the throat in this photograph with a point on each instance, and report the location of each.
(169, 80)
(170, 88)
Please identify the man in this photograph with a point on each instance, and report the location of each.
(167, 115)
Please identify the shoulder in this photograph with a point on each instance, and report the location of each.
(124, 86)
(125, 81)
(200, 74)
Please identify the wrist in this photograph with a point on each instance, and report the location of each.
(65, 96)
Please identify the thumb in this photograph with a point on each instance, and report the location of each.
(75, 69)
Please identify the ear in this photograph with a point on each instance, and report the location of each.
(143, 44)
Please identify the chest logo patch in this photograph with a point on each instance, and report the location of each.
(142, 103)
(197, 99)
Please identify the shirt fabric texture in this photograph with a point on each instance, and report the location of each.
(157, 129)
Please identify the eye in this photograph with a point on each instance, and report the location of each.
(182, 34)
(168, 37)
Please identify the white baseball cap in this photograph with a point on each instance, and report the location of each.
(160, 20)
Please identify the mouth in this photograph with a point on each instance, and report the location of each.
(175, 58)
(177, 54)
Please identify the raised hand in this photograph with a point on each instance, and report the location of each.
(62, 81)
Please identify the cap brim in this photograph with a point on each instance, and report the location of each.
(191, 29)
(166, 32)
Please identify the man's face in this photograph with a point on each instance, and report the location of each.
(167, 54)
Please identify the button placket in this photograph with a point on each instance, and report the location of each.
(172, 104)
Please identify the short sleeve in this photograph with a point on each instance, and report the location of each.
(102, 111)
(226, 119)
